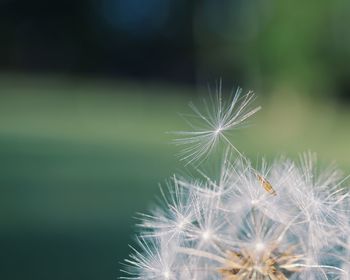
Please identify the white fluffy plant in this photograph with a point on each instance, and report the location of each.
(287, 220)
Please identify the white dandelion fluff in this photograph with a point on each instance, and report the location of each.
(210, 123)
(284, 220)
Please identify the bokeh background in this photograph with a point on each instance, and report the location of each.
(88, 90)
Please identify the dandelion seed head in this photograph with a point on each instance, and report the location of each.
(287, 219)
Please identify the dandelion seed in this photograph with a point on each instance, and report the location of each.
(210, 123)
(266, 184)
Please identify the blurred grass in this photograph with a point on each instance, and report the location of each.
(78, 159)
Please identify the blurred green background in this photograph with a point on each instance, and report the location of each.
(89, 89)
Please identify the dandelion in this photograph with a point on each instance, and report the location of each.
(284, 220)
